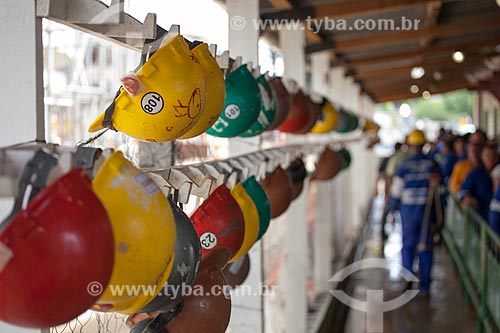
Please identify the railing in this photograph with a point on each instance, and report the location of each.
(475, 249)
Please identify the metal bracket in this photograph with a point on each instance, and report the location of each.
(213, 50)
(96, 18)
(224, 62)
(236, 63)
(240, 170)
(202, 184)
(224, 167)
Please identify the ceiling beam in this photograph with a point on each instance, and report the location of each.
(443, 60)
(398, 37)
(398, 96)
(405, 81)
(432, 11)
(464, 46)
(341, 9)
(311, 37)
(429, 67)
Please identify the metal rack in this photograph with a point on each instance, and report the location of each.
(181, 181)
(98, 19)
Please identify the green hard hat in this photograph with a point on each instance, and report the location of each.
(345, 158)
(352, 124)
(259, 197)
(241, 107)
(268, 109)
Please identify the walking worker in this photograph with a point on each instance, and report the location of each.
(418, 182)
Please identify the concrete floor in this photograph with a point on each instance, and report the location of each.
(445, 311)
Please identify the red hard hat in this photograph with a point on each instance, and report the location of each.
(283, 99)
(278, 189)
(219, 222)
(314, 110)
(211, 311)
(328, 166)
(52, 252)
(300, 116)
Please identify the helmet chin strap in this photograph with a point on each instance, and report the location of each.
(86, 157)
(158, 324)
(34, 178)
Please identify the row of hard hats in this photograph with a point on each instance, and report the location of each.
(228, 224)
(179, 92)
(114, 227)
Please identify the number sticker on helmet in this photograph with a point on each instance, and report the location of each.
(232, 111)
(208, 240)
(152, 103)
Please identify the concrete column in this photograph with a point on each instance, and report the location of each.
(490, 103)
(243, 42)
(21, 87)
(247, 312)
(322, 229)
(478, 112)
(320, 66)
(296, 262)
(292, 44)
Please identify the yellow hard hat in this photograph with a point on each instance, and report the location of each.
(416, 138)
(169, 96)
(215, 91)
(144, 230)
(327, 120)
(370, 126)
(251, 217)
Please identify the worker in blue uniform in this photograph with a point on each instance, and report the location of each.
(411, 192)
(477, 189)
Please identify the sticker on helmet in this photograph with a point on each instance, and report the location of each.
(132, 84)
(232, 111)
(5, 256)
(152, 103)
(147, 184)
(208, 240)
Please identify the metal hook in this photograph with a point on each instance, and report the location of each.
(181, 183)
(224, 62)
(224, 167)
(219, 178)
(213, 50)
(241, 171)
(260, 161)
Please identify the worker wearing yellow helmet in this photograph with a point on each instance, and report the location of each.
(415, 191)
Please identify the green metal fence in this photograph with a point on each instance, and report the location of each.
(475, 249)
